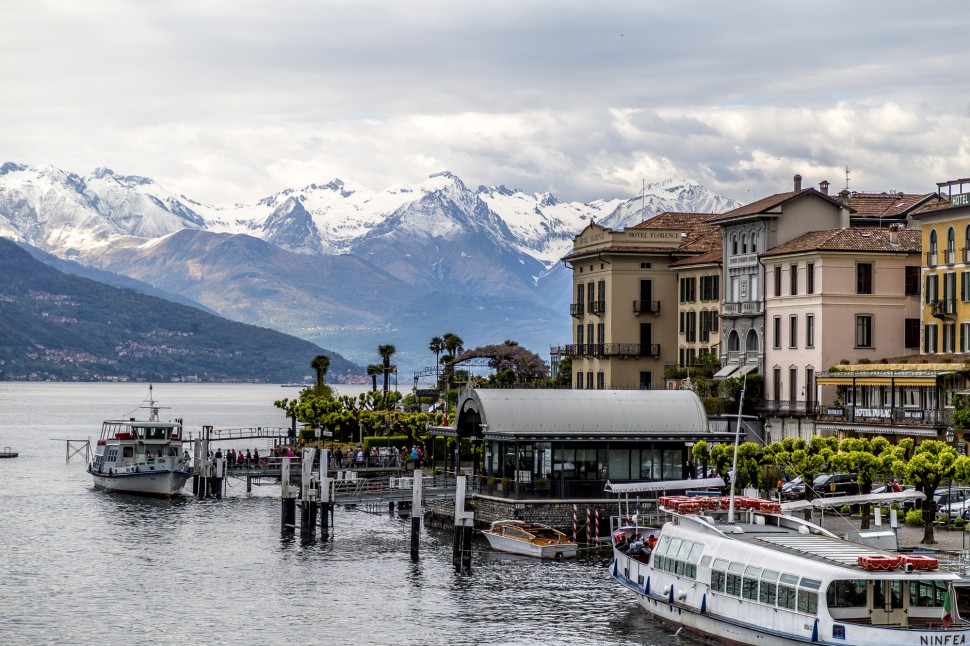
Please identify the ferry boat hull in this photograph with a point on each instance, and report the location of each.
(156, 484)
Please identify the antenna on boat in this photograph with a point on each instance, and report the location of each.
(153, 409)
(734, 461)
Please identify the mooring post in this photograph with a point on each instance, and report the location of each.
(217, 480)
(326, 499)
(288, 495)
(416, 512)
(464, 521)
(309, 495)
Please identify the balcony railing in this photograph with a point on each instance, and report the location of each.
(651, 307)
(966, 254)
(597, 307)
(951, 256)
(576, 309)
(931, 258)
(944, 307)
(613, 350)
(745, 260)
(883, 415)
(788, 407)
(746, 308)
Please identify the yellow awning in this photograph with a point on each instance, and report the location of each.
(848, 380)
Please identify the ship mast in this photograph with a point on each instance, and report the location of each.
(734, 461)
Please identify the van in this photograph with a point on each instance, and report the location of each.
(836, 484)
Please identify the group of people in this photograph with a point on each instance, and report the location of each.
(638, 545)
(237, 459)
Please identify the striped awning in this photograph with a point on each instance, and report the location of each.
(879, 430)
(907, 378)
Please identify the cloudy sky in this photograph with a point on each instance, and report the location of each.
(231, 100)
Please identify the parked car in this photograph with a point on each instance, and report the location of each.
(953, 502)
(794, 489)
(836, 484)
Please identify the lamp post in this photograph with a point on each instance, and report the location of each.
(949, 481)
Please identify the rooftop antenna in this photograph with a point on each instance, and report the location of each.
(847, 172)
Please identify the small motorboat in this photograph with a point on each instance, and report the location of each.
(529, 539)
(8, 453)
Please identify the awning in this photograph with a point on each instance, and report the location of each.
(908, 378)
(726, 371)
(746, 368)
(838, 501)
(879, 430)
(664, 485)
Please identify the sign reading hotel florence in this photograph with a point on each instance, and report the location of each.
(961, 199)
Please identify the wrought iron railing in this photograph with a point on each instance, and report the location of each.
(648, 307)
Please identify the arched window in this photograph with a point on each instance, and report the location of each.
(966, 243)
(734, 245)
(933, 241)
(734, 342)
(751, 343)
(951, 246)
(754, 243)
(744, 243)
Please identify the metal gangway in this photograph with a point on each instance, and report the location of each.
(378, 494)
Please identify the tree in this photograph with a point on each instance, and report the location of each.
(453, 344)
(386, 352)
(437, 345)
(320, 365)
(864, 458)
(373, 370)
(932, 462)
(805, 459)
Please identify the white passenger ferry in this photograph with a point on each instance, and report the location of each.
(770, 578)
(141, 457)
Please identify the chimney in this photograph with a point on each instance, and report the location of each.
(798, 183)
(824, 186)
(845, 219)
(894, 233)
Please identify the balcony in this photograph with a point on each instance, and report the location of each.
(950, 255)
(576, 309)
(597, 307)
(787, 407)
(646, 307)
(745, 260)
(966, 255)
(931, 258)
(943, 308)
(747, 308)
(620, 350)
(887, 416)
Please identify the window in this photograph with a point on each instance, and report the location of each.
(965, 286)
(951, 246)
(601, 293)
(929, 338)
(749, 585)
(688, 289)
(734, 245)
(589, 380)
(733, 584)
(579, 334)
(809, 385)
(809, 330)
(949, 337)
(776, 332)
(579, 380)
(793, 278)
(793, 331)
(964, 336)
(691, 326)
(793, 384)
(754, 243)
(777, 379)
(600, 380)
(580, 293)
(912, 280)
(863, 273)
(768, 591)
(911, 333)
(590, 296)
(933, 242)
(601, 333)
(863, 331)
(709, 288)
(932, 290)
(744, 243)
(777, 280)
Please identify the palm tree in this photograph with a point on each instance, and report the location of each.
(436, 345)
(373, 370)
(386, 352)
(320, 365)
(453, 344)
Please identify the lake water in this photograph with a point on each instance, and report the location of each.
(82, 567)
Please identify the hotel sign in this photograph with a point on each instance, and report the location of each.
(961, 199)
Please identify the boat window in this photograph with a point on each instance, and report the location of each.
(807, 601)
(674, 546)
(879, 595)
(749, 587)
(685, 548)
(733, 583)
(128, 451)
(768, 592)
(705, 561)
(695, 553)
(813, 584)
(717, 580)
(786, 597)
(789, 578)
(679, 567)
(927, 594)
(846, 593)
(721, 564)
(664, 544)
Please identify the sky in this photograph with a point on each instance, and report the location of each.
(228, 101)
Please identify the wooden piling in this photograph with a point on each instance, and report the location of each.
(288, 495)
(464, 521)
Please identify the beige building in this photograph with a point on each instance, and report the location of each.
(625, 299)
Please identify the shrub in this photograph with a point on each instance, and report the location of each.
(914, 517)
(714, 405)
(845, 509)
(958, 522)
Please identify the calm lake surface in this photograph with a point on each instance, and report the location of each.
(83, 567)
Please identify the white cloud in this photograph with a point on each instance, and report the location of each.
(230, 101)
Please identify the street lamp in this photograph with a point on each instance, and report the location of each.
(767, 430)
(949, 482)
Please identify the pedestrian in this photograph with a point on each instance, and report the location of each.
(896, 486)
(256, 458)
(289, 452)
(249, 458)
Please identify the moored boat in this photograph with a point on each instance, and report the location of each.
(767, 577)
(141, 457)
(529, 539)
(7, 452)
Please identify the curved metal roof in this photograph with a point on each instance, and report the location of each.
(585, 412)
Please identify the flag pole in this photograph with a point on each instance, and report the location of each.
(734, 461)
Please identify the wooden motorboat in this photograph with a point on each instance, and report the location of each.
(529, 539)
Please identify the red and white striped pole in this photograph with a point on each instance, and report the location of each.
(589, 528)
(575, 524)
(596, 527)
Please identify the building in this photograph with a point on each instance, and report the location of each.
(748, 232)
(699, 301)
(624, 300)
(847, 295)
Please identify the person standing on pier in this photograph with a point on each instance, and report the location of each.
(256, 458)
(249, 458)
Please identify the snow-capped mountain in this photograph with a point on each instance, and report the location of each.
(438, 237)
